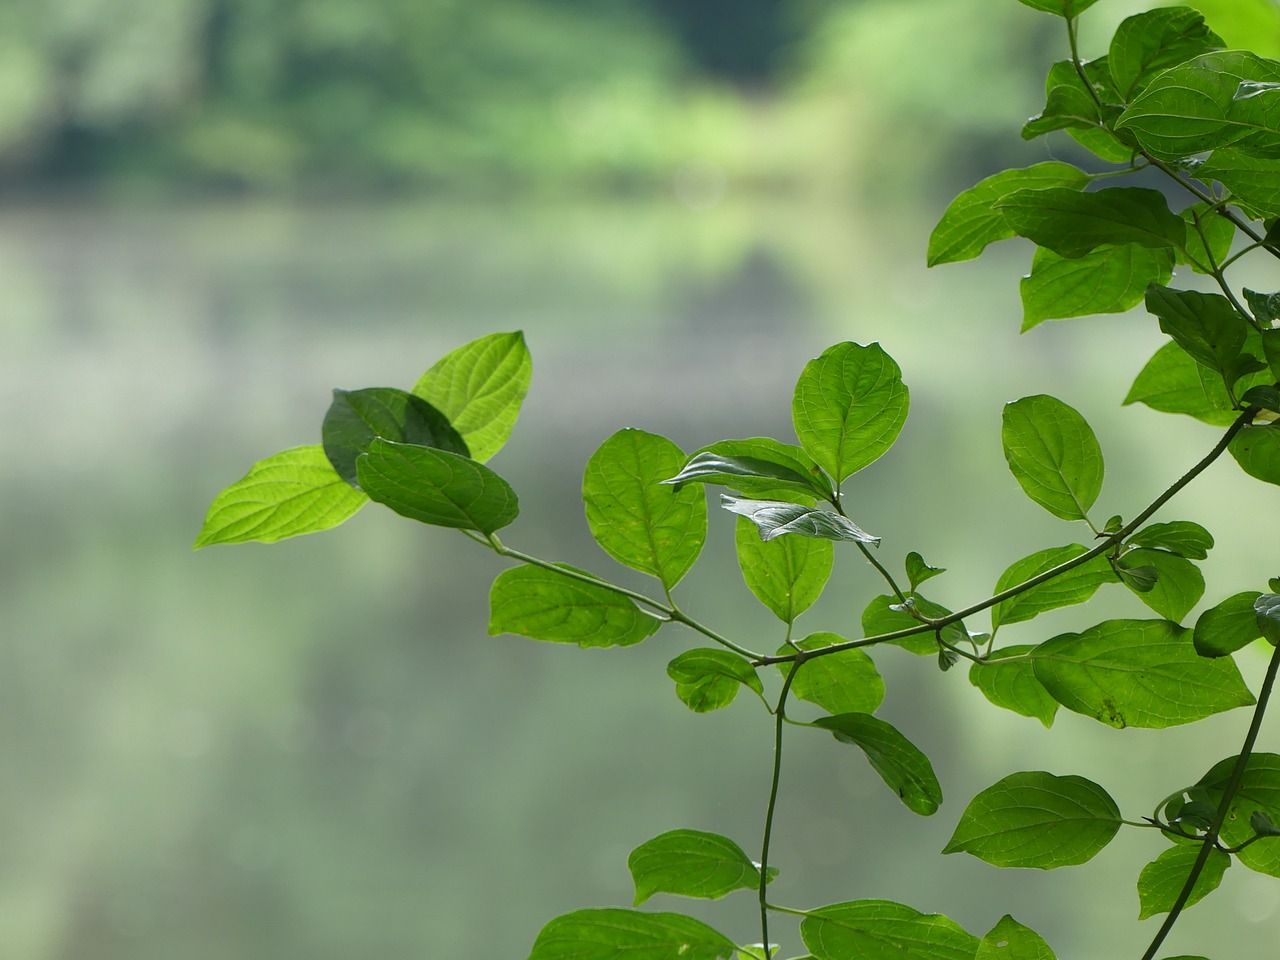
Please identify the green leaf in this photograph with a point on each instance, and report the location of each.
(849, 406)
(1225, 628)
(1162, 879)
(775, 518)
(691, 863)
(760, 467)
(1072, 223)
(1172, 382)
(1147, 43)
(1068, 104)
(1053, 455)
(970, 223)
(844, 682)
(480, 387)
(883, 930)
(548, 605)
(1036, 819)
(1193, 107)
(1217, 230)
(1265, 306)
(1075, 586)
(1259, 792)
(787, 574)
(1267, 610)
(1257, 450)
(1179, 583)
(1010, 940)
(1206, 326)
(901, 765)
(638, 521)
(436, 487)
(1110, 279)
(1007, 678)
(880, 617)
(1063, 8)
(918, 571)
(1183, 537)
(357, 417)
(708, 678)
(1137, 673)
(613, 934)
(294, 492)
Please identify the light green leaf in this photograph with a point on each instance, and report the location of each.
(1036, 819)
(1010, 940)
(1259, 792)
(480, 387)
(294, 492)
(1179, 583)
(357, 417)
(787, 574)
(1063, 8)
(691, 863)
(849, 406)
(613, 934)
(883, 930)
(1075, 586)
(1068, 104)
(1163, 878)
(1206, 326)
(880, 617)
(1223, 629)
(1137, 673)
(708, 678)
(776, 518)
(546, 605)
(1257, 450)
(970, 224)
(844, 682)
(1007, 678)
(1217, 230)
(1183, 537)
(1172, 382)
(436, 487)
(759, 467)
(1110, 279)
(918, 571)
(1147, 43)
(901, 765)
(636, 519)
(1072, 223)
(1053, 454)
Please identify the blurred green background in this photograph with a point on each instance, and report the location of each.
(212, 212)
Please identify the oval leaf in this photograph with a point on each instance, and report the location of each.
(883, 930)
(612, 934)
(1010, 940)
(1172, 382)
(357, 417)
(1007, 678)
(1147, 43)
(1257, 450)
(1072, 223)
(1183, 537)
(1259, 792)
(691, 863)
(708, 678)
(904, 769)
(1110, 279)
(844, 682)
(787, 574)
(1075, 586)
(1053, 455)
(1163, 878)
(759, 467)
(547, 605)
(1225, 628)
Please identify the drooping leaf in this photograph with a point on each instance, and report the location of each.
(883, 930)
(880, 617)
(1266, 609)
(849, 406)
(548, 605)
(759, 467)
(358, 417)
(1265, 306)
(1259, 792)
(1257, 450)
(480, 387)
(1150, 42)
(970, 223)
(1036, 819)
(1163, 878)
(1010, 940)
(1183, 537)
(904, 769)
(1072, 223)
(787, 574)
(1178, 586)
(918, 571)
(641, 523)
(613, 934)
(776, 518)
(436, 487)
(293, 492)
(1110, 279)
(708, 678)
(1053, 454)
(1223, 629)
(1063, 8)
(1069, 104)
(1007, 678)
(692, 863)
(1137, 673)
(1172, 382)
(844, 682)
(1206, 326)
(1209, 239)
(1075, 586)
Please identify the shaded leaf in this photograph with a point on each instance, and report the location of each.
(1007, 678)
(357, 417)
(708, 678)
(613, 934)
(692, 863)
(883, 930)
(1075, 586)
(786, 574)
(880, 617)
(1110, 279)
(1267, 611)
(1223, 629)
(1265, 306)
(1072, 223)
(1172, 382)
(1147, 43)
(1053, 454)
(1178, 585)
(901, 765)
(1162, 879)
(1259, 792)
(775, 518)
(547, 605)
(844, 682)
(918, 571)
(1010, 940)
(1183, 537)
(1206, 326)
(759, 467)
(1068, 104)
(1218, 231)
(1257, 450)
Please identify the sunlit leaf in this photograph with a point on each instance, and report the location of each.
(1010, 940)
(1259, 792)
(708, 678)
(1072, 223)
(1075, 586)
(1172, 382)
(1053, 454)
(786, 574)
(904, 769)
(1007, 678)
(1257, 450)
(1163, 878)
(883, 930)
(1183, 537)
(1110, 279)
(1149, 42)
(1063, 8)
(844, 682)
(918, 571)
(776, 518)
(692, 863)
(1225, 628)
(759, 467)
(358, 417)
(549, 605)
(613, 934)
(880, 617)
(1178, 587)
(1209, 239)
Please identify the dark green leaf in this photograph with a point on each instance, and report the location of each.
(1163, 878)
(1053, 454)
(970, 223)
(1259, 791)
(1138, 579)
(1225, 628)
(1072, 223)
(883, 930)
(1205, 325)
(1257, 450)
(1068, 104)
(1218, 231)
(1035, 819)
(901, 765)
(1183, 537)
(1267, 609)
(612, 934)
(1063, 8)
(844, 682)
(708, 678)
(1172, 382)
(1261, 824)
(1251, 180)
(1075, 586)
(1010, 940)
(357, 417)
(849, 406)
(1179, 583)
(759, 467)
(1012, 684)
(775, 518)
(1110, 279)
(786, 574)
(1265, 306)
(880, 617)
(918, 571)
(547, 605)
(436, 487)
(1147, 43)
(294, 492)
(638, 521)
(691, 863)
(1265, 397)
(480, 388)
(1137, 673)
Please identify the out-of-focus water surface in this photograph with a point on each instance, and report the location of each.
(314, 750)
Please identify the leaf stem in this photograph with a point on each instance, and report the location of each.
(1242, 225)
(780, 718)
